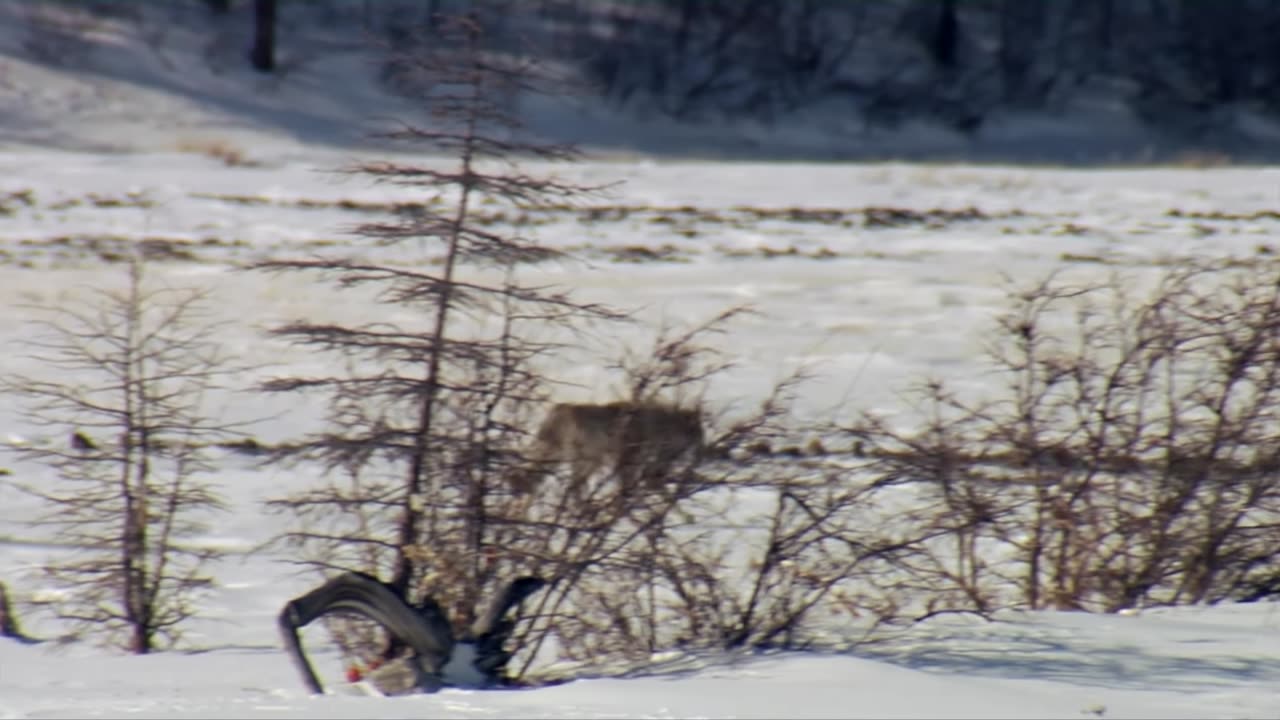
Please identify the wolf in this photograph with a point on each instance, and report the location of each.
(641, 444)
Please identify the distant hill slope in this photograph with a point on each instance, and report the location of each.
(172, 76)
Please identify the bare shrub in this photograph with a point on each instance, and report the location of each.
(737, 550)
(133, 370)
(1130, 458)
(584, 537)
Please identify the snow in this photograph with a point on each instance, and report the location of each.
(870, 309)
(890, 306)
(1183, 663)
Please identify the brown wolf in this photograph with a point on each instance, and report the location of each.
(637, 443)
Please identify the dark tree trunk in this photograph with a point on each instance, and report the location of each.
(8, 619)
(946, 36)
(1106, 25)
(263, 55)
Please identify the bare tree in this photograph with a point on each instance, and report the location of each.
(129, 374)
(696, 59)
(427, 421)
(263, 54)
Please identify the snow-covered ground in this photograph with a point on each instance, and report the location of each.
(1188, 663)
(875, 276)
(872, 299)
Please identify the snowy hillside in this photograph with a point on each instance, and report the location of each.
(163, 78)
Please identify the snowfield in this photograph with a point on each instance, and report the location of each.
(874, 276)
(1185, 663)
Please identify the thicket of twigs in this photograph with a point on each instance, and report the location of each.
(126, 376)
(1127, 454)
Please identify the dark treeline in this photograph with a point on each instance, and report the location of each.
(1175, 62)
(1179, 65)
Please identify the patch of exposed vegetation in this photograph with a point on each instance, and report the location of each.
(97, 200)
(1225, 216)
(11, 201)
(644, 253)
(682, 216)
(120, 248)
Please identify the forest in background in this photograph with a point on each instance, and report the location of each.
(1187, 70)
